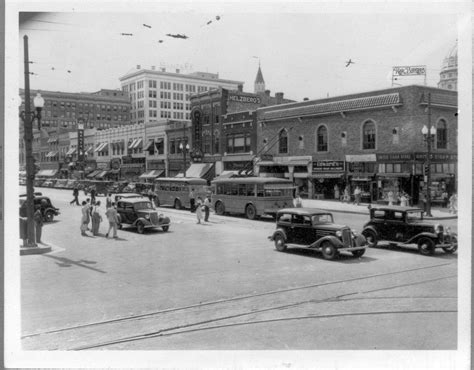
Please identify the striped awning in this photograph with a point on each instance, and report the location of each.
(71, 151)
(151, 144)
(132, 144)
(152, 174)
(93, 173)
(345, 105)
(138, 143)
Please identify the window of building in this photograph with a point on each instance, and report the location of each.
(442, 135)
(322, 139)
(283, 141)
(395, 136)
(368, 135)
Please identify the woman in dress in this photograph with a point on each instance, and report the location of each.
(199, 210)
(85, 218)
(96, 218)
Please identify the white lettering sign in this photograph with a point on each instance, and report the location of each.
(409, 70)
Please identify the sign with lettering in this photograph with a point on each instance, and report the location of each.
(394, 157)
(80, 141)
(115, 163)
(328, 166)
(437, 157)
(266, 157)
(409, 70)
(244, 98)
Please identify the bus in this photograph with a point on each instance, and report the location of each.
(251, 196)
(174, 191)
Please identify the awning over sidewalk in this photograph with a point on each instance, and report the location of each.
(101, 174)
(46, 173)
(327, 175)
(226, 175)
(152, 174)
(93, 173)
(201, 170)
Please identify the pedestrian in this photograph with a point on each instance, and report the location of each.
(96, 218)
(453, 204)
(112, 217)
(207, 206)
(85, 218)
(346, 197)
(150, 194)
(445, 198)
(93, 193)
(89, 208)
(422, 201)
(298, 201)
(403, 200)
(337, 193)
(391, 198)
(357, 193)
(199, 210)
(75, 194)
(38, 219)
(108, 201)
(192, 200)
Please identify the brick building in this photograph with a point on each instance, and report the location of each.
(372, 140)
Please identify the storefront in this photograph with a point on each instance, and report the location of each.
(361, 170)
(395, 176)
(328, 179)
(132, 168)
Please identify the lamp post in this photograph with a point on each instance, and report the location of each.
(184, 148)
(28, 117)
(428, 136)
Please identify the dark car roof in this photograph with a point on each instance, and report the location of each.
(396, 208)
(303, 211)
(134, 200)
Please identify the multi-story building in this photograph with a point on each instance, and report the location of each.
(158, 95)
(372, 140)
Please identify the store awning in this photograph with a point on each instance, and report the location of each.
(132, 144)
(200, 170)
(93, 173)
(113, 172)
(150, 145)
(88, 150)
(393, 175)
(49, 155)
(97, 148)
(71, 151)
(270, 163)
(103, 147)
(46, 173)
(226, 175)
(138, 143)
(152, 174)
(327, 175)
(101, 174)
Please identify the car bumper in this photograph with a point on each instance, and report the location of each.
(446, 245)
(350, 249)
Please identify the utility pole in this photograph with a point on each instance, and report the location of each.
(428, 161)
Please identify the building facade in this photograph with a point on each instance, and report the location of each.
(158, 95)
(372, 140)
(448, 77)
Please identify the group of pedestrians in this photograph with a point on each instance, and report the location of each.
(199, 206)
(91, 214)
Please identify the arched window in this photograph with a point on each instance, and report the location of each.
(368, 135)
(322, 139)
(283, 142)
(442, 135)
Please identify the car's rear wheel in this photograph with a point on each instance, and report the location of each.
(251, 212)
(329, 251)
(280, 244)
(359, 253)
(49, 216)
(453, 248)
(220, 209)
(177, 204)
(165, 228)
(426, 246)
(140, 227)
(371, 238)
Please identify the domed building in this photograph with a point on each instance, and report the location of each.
(449, 71)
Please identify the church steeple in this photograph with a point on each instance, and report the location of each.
(259, 86)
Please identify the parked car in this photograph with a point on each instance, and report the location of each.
(315, 229)
(61, 184)
(47, 209)
(139, 213)
(38, 182)
(404, 226)
(117, 187)
(101, 187)
(118, 196)
(48, 183)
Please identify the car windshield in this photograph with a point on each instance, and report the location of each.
(322, 219)
(414, 216)
(143, 205)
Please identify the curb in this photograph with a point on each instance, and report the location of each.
(25, 251)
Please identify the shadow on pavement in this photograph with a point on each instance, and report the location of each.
(66, 262)
(413, 249)
(345, 257)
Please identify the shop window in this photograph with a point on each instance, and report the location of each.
(283, 142)
(439, 168)
(172, 147)
(301, 142)
(389, 167)
(382, 168)
(395, 136)
(442, 135)
(368, 135)
(397, 167)
(322, 139)
(344, 138)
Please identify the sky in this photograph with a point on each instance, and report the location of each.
(302, 51)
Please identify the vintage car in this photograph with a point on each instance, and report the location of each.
(47, 209)
(48, 183)
(118, 196)
(139, 212)
(117, 187)
(404, 226)
(101, 187)
(61, 184)
(315, 229)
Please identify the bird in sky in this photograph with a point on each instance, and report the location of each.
(146, 25)
(177, 36)
(127, 34)
(349, 62)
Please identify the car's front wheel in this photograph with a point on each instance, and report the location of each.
(359, 253)
(371, 238)
(49, 216)
(453, 248)
(329, 251)
(426, 246)
(220, 209)
(280, 244)
(140, 227)
(165, 228)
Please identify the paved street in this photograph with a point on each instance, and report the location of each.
(222, 285)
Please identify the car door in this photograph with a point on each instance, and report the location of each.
(395, 225)
(302, 230)
(379, 222)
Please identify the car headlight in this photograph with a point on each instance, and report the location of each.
(437, 228)
(339, 233)
(147, 217)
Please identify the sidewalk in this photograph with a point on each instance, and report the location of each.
(362, 208)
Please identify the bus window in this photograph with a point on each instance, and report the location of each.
(234, 189)
(243, 189)
(259, 190)
(250, 190)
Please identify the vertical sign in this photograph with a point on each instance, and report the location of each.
(197, 129)
(80, 141)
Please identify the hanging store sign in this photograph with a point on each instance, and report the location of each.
(394, 157)
(438, 157)
(328, 166)
(244, 98)
(80, 140)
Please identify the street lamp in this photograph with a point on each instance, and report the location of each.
(28, 117)
(184, 148)
(428, 136)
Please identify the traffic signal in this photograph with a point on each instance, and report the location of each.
(427, 169)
